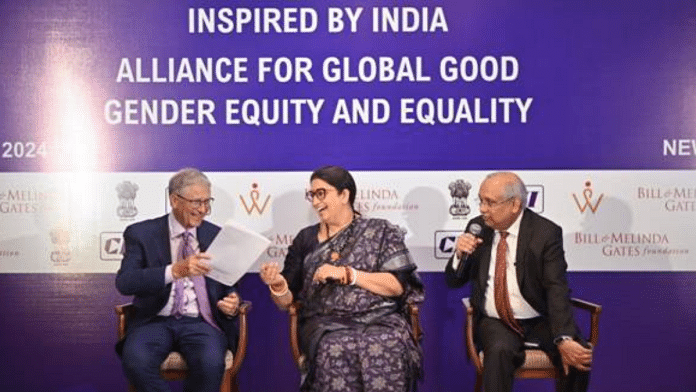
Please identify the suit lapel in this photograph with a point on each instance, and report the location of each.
(164, 244)
(485, 260)
(523, 240)
(205, 235)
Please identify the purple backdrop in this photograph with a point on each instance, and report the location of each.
(57, 334)
(610, 80)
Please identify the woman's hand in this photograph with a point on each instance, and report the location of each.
(328, 272)
(280, 292)
(270, 275)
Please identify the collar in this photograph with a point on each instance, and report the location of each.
(514, 229)
(176, 229)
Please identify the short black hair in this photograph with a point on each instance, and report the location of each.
(338, 178)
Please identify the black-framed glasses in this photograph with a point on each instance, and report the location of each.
(198, 203)
(319, 193)
(493, 203)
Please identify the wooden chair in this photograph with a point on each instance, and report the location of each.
(174, 366)
(536, 364)
(299, 357)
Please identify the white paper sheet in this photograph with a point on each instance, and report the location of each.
(233, 251)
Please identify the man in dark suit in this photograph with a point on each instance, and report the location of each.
(519, 290)
(177, 307)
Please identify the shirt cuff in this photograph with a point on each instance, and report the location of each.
(168, 275)
(561, 338)
(455, 260)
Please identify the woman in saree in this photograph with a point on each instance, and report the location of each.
(353, 276)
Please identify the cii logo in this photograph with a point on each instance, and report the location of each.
(535, 198)
(445, 240)
(111, 246)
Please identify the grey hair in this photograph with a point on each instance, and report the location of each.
(512, 188)
(187, 177)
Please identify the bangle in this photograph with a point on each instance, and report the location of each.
(351, 275)
(281, 293)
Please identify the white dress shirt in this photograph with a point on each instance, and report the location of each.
(176, 241)
(521, 309)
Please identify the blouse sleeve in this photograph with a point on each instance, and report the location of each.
(294, 260)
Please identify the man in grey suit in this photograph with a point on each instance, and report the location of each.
(515, 261)
(176, 306)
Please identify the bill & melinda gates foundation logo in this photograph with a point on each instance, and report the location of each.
(28, 201)
(672, 198)
(255, 203)
(374, 199)
(587, 201)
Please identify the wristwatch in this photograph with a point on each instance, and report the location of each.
(562, 338)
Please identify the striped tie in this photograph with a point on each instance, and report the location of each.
(179, 305)
(500, 288)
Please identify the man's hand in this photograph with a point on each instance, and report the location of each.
(467, 243)
(575, 355)
(194, 265)
(230, 304)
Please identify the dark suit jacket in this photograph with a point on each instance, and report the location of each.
(541, 271)
(147, 254)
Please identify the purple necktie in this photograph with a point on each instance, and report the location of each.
(179, 299)
(198, 287)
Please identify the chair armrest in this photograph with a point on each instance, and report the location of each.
(589, 306)
(297, 356)
(469, 335)
(595, 310)
(414, 314)
(123, 313)
(244, 309)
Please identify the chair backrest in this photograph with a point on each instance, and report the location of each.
(414, 318)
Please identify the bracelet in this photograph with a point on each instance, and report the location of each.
(355, 276)
(346, 275)
(279, 294)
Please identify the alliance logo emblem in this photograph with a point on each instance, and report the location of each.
(254, 204)
(587, 194)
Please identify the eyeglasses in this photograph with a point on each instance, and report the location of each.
(320, 194)
(198, 203)
(492, 203)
